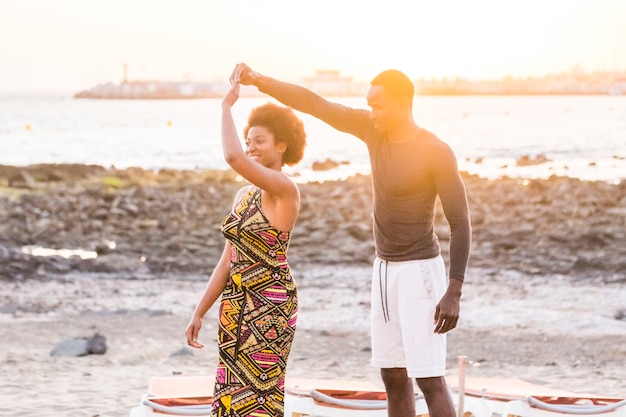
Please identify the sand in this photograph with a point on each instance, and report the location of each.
(545, 331)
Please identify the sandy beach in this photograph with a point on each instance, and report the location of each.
(544, 298)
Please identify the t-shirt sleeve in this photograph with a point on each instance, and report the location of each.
(453, 196)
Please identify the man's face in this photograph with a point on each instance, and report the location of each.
(387, 111)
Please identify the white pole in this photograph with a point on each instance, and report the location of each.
(462, 362)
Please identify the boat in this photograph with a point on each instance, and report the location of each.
(478, 397)
(191, 395)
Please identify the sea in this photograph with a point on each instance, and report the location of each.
(492, 136)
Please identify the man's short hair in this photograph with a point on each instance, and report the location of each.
(396, 83)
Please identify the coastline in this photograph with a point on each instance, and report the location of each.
(545, 252)
(147, 223)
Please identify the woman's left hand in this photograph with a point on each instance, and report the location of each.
(192, 331)
(232, 95)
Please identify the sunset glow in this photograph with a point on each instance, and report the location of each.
(71, 44)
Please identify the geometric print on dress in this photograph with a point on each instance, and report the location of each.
(258, 315)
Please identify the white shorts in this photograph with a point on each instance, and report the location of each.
(404, 297)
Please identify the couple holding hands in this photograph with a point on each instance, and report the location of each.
(414, 302)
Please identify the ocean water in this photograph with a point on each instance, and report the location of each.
(579, 136)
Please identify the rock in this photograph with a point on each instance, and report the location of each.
(146, 223)
(324, 165)
(82, 346)
(97, 344)
(71, 347)
(359, 231)
(184, 351)
(527, 160)
(167, 223)
(22, 179)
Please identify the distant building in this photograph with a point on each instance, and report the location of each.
(575, 82)
(618, 87)
(154, 90)
(328, 82)
(157, 90)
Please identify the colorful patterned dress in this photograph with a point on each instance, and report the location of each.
(258, 313)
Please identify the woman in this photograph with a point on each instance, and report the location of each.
(259, 300)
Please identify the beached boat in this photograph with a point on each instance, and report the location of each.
(192, 396)
(478, 397)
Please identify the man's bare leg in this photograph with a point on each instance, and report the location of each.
(437, 396)
(400, 396)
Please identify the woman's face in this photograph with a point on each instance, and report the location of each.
(262, 147)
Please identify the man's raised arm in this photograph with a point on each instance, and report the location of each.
(299, 98)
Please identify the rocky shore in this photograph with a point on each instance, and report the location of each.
(144, 224)
(543, 299)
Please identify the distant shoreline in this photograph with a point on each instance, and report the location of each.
(330, 83)
(47, 172)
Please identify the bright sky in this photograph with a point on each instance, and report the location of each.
(75, 44)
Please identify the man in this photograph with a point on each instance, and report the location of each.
(414, 304)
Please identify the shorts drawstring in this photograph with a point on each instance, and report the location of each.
(384, 300)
